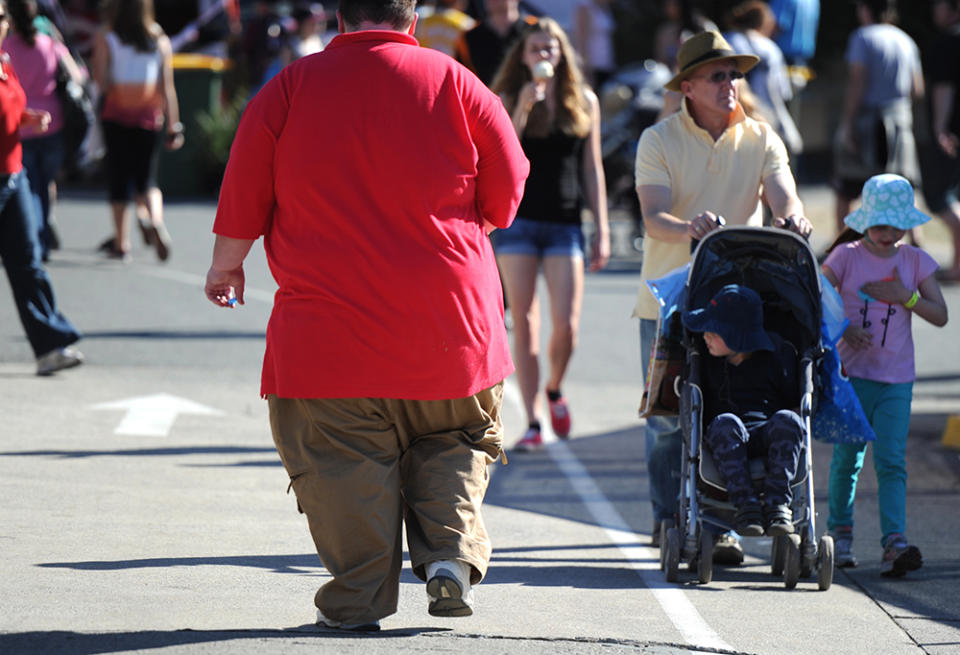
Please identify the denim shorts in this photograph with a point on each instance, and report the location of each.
(539, 238)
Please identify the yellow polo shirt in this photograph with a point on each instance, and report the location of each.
(723, 176)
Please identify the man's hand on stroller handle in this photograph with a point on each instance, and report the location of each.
(794, 223)
(704, 224)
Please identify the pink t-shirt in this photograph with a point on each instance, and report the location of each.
(37, 69)
(369, 168)
(890, 357)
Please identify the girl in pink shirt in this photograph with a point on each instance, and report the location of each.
(883, 283)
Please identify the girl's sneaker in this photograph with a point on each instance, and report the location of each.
(532, 440)
(559, 415)
(899, 557)
(843, 556)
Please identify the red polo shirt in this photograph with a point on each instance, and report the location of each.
(369, 168)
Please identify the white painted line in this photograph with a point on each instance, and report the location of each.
(153, 416)
(643, 559)
(194, 280)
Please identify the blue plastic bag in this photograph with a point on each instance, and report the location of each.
(669, 291)
(839, 417)
(832, 321)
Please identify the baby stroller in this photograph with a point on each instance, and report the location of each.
(782, 269)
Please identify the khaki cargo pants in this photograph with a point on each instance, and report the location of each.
(360, 467)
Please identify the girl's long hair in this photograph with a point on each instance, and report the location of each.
(572, 114)
(847, 234)
(133, 23)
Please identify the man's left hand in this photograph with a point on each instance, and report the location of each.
(794, 223)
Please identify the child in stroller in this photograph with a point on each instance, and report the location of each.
(749, 383)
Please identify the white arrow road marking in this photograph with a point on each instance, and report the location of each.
(153, 416)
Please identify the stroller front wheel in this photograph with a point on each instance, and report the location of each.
(791, 569)
(671, 561)
(705, 561)
(825, 563)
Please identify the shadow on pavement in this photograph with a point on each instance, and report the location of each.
(82, 643)
(306, 563)
(173, 334)
(143, 452)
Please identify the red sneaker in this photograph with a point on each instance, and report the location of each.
(532, 440)
(560, 417)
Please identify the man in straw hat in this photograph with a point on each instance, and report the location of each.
(706, 161)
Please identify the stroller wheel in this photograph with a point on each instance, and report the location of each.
(671, 561)
(705, 561)
(791, 568)
(665, 525)
(825, 563)
(778, 555)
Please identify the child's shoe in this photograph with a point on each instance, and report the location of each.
(843, 556)
(748, 520)
(899, 557)
(778, 519)
(532, 440)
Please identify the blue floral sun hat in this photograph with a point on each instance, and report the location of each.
(887, 200)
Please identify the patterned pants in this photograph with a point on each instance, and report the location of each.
(778, 439)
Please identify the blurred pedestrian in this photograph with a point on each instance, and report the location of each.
(37, 58)
(482, 49)
(941, 182)
(593, 40)
(386, 351)
(557, 117)
(752, 24)
(797, 22)
(876, 128)
(49, 332)
(133, 67)
(441, 25)
(311, 20)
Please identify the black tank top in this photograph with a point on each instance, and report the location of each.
(553, 192)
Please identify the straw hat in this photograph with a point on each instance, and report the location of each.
(702, 49)
(887, 200)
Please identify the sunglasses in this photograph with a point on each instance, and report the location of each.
(719, 77)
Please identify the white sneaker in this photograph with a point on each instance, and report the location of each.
(324, 622)
(58, 360)
(448, 587)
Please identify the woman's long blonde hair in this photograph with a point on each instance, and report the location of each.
(573, 110)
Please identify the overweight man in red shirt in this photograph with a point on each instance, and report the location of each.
(374, 171)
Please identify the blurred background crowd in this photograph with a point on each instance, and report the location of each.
(225, 50)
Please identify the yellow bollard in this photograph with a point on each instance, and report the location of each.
(951, 434)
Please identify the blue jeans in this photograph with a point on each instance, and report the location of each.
(887, 407)
(42, 159)
(46, 328)
(664, 442)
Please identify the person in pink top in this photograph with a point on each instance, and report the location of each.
(883, 283)
(374, 170)
(36, 58)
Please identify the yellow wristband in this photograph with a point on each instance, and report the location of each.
(913, 300)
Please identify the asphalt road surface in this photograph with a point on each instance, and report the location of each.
(144, 507)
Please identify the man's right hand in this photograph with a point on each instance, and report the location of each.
(703, 225)
(225, 288)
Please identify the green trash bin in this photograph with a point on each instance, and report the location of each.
(198, 80)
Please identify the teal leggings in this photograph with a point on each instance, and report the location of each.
(887, 407)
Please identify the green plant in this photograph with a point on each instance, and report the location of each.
(217, 130)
